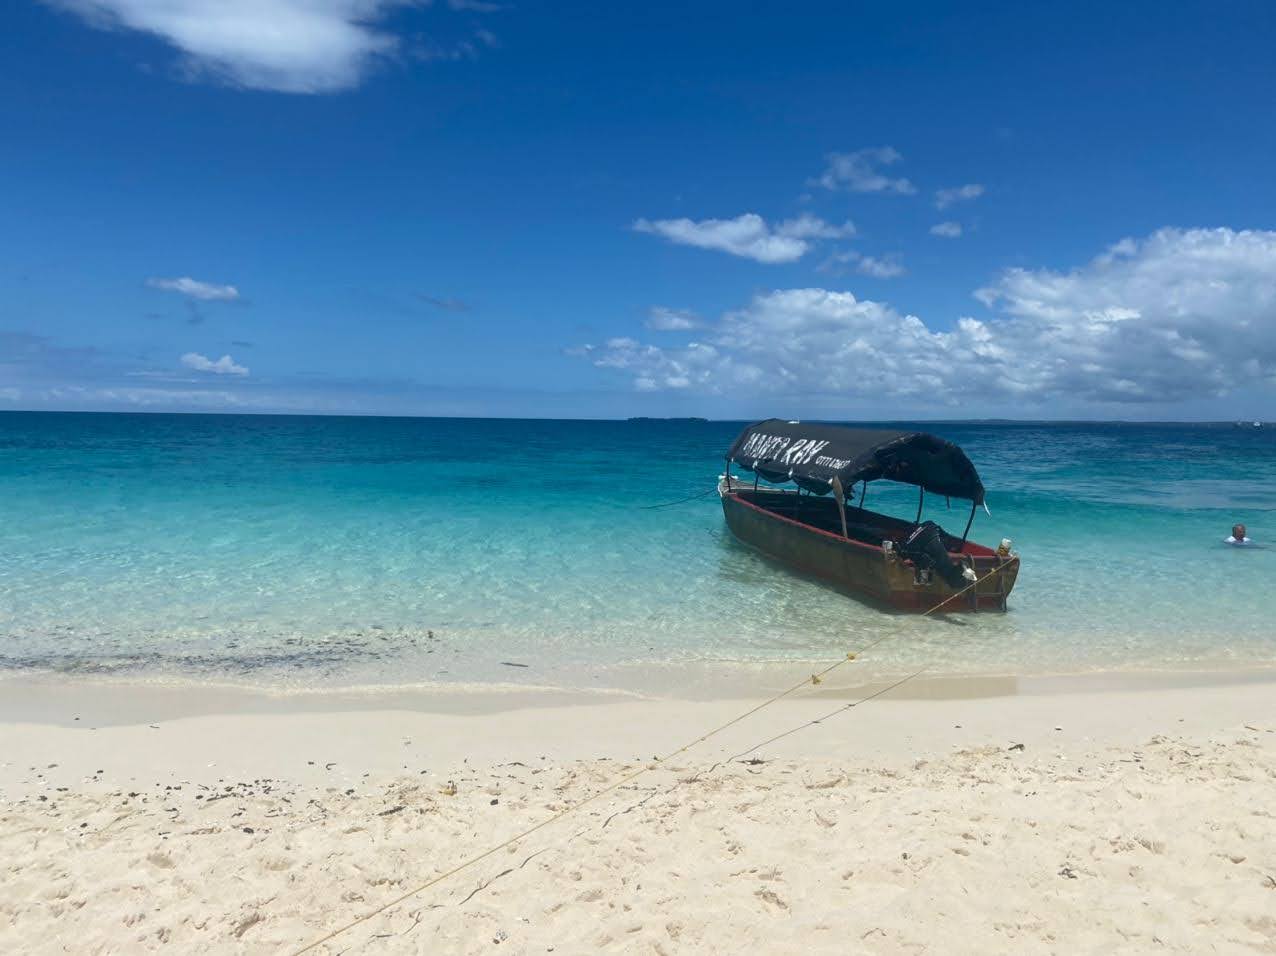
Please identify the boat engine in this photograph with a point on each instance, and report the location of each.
(925, 547)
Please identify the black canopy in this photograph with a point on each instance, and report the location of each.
(812, 455)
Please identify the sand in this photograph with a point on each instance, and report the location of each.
(1015, 816)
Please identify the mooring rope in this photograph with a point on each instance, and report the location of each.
(832, 713)
(813, 679)
(670, 504)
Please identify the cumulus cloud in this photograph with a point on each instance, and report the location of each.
(656, 369)
(204, 291)
(946, 230)
(1178, 315)
(223, 366)
(288, 46)
(860, 172)
(946, 197)
(661, 319)
(748, 236)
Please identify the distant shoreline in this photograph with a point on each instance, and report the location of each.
(1169, 423)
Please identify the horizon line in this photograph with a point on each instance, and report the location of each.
(647, 418)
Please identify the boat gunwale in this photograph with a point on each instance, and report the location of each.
(735, 494)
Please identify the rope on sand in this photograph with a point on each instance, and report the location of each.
(570, 809)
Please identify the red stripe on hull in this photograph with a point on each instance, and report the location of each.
(865, 569)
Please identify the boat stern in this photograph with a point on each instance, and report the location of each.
(918, 589)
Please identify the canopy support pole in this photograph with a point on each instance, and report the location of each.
(971, 521)
(841, 503)
(921, 498)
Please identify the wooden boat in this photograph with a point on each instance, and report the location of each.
(818, 529)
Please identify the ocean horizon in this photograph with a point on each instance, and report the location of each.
(297, 552)
(857, 422)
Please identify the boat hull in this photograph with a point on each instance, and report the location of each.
(869, 570)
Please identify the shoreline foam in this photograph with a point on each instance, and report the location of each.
(32, 695)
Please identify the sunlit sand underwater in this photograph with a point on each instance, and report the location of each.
(316, 552)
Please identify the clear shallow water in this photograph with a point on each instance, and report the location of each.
(335, 551)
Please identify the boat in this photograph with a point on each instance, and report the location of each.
(818, 528)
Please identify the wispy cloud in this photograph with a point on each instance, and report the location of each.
(203, 291)
(21, 349)
(749, 236)
(432, 51)
(286, 46)
(222, 366)
(807, 226)
(860, 172)
(946, 230)
(661, 319)
(888, 266)
(446, 304)
(1183, 314)
(946, 197)
(880, 267)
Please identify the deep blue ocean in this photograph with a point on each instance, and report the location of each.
(307, 551)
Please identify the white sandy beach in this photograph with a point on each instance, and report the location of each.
(1048, 816)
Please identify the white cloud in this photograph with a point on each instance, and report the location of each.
(877, 267)
(1180, 315)
(859, 172)
(10, 394)
(655, 369)
(946, 230)
(749, 235)
(204, 291)
(807, 226)
(661, 319)
(223, 366)
(288, 46)
(884, 267)
(946, 197)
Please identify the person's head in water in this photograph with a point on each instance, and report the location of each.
(1238, 532)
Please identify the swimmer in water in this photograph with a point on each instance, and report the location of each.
(1238, 539)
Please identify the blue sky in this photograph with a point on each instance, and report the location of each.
(843, 210)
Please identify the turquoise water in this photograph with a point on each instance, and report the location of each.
(299, 552)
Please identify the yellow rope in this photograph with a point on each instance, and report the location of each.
(633, 775)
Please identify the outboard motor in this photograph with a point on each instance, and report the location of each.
(925, 547)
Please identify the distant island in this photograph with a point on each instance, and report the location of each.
(645, 418)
